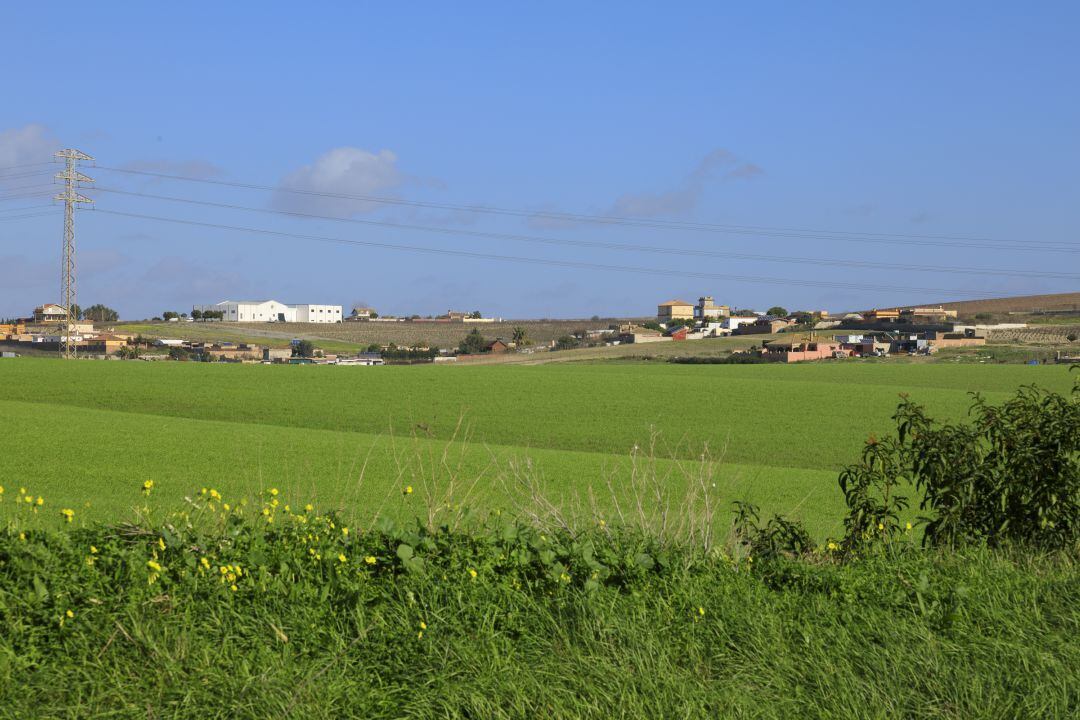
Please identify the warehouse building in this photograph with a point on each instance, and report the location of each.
(273, 311)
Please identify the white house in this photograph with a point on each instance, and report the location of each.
(734, 321)
(273, 311)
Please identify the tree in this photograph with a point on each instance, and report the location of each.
(303, 349)
(76, 312)
(100, 313)
(475, 315)
(473, 343)
(566, 342)
(521, 335)
(373, 315)
(169, 315)
(777, 311)
(196, 315)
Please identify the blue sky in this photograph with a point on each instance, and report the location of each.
(925, 119)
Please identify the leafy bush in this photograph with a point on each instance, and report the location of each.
(1011, 476)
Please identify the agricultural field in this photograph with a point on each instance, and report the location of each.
(587, 434)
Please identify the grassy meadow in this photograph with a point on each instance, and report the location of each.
(231, 541)
(353, 437)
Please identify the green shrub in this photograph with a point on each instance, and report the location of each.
(1010, 476)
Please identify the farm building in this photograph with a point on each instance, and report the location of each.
(362, 313)
(630, 334)
(763, 326)
(706, 308)
(674, 310)
(790, 351)
(497, 346)
(49, 312)
(678, 333)
(274, 311)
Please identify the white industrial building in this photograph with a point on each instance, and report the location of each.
(273, 311)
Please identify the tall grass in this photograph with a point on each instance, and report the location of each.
(272, 609)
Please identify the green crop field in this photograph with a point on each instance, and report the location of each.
(86, 434)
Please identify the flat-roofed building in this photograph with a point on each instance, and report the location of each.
(273, 311)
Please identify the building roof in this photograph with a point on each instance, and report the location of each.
(672, 303)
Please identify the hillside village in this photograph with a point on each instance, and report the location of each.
(786, 337)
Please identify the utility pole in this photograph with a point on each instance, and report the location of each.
(70, 176)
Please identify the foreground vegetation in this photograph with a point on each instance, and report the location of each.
(266, 607)
(155, 620)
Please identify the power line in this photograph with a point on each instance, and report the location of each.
(618, 246)
(27, 195)
(28, 207)
(755, 230)
(557, 263)
(23, 174)
(16, 167)
(27, 215)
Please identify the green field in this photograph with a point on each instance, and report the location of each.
(85, 434)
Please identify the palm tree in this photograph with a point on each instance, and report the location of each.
(521, 335)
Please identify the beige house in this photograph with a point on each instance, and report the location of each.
(49, 312)
(674, 310)
(706, 309)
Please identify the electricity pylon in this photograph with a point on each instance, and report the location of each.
(70, 176)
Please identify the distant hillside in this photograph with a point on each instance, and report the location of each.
(1022, 303)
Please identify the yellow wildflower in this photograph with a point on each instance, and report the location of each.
(833, 546)
(68, 514)
(70, 614)
(408, 490)
(90, 561)
(341, 557)
(29, 499)
(93, 550)
(423, 625)
(880, 526)
(370, 560)
(153, 565)
(22, 536)
(40, 500)
(308, 507)
(147, 486)
(908, 527)
(205, 562)
(472, 573)
(274, 491)
(345, 531)
(215, 494)
(161, 543)
(701, 611)
(226, 506)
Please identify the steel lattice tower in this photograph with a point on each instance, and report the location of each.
(70, 196)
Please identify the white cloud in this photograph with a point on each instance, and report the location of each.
(345, 171)
(21, 146)
(683, 200)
